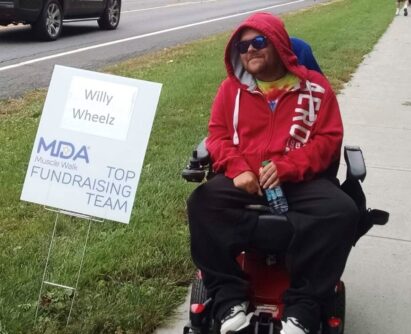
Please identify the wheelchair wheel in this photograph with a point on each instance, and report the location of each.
(334, 315)
(200, 321)
(340, 305)
(198, 292)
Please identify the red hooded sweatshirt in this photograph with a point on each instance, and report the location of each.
(303, 136)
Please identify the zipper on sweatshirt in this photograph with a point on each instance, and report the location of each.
(272, 125)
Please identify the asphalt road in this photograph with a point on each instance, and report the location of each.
(145, 26)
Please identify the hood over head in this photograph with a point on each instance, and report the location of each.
(273, 28)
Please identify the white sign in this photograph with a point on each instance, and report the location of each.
(90, 144)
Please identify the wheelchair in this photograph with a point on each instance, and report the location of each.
(268, 274)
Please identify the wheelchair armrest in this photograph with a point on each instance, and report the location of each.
(199, 163)
(355, 163)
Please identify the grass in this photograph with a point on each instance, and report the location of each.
(134, 276)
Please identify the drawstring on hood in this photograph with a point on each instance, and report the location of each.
(236, 140)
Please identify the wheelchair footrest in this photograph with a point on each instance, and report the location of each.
(264, 323)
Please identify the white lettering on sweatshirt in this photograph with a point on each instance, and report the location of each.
(300, 130)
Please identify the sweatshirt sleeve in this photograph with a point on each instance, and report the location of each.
(225, 155)
(321, 151)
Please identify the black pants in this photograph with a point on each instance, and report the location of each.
(317, 240)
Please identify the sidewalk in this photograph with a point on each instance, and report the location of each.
(376, 108)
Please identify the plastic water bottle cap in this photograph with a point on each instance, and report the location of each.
(265, 163)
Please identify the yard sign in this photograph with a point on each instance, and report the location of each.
(90, 144)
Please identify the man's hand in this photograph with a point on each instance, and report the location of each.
(268, 176)
(248, 181)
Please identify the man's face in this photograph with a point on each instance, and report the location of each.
(264, 64)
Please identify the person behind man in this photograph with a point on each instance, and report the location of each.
(404, 5)
(271, 108)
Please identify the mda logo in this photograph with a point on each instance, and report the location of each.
(63, 149)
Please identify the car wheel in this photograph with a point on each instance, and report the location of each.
(111, 15)
(50, 23)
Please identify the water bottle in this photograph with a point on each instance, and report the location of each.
(275, 197)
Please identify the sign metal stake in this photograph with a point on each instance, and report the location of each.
(44, 282)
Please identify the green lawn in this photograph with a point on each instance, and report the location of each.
(135, 275)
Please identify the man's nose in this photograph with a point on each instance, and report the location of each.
(251, 48)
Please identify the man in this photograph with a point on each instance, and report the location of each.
(271, 108)
(404, 7)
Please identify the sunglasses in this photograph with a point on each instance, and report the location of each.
(258, 43)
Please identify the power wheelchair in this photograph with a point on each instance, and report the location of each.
(268, 274)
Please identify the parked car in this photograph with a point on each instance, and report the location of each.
(46, 16)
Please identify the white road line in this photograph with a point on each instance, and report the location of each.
(62, 54)
(167, 6)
